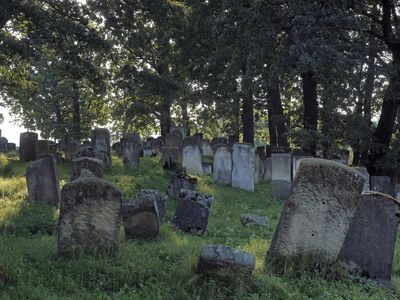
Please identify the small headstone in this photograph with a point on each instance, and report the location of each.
(257, 168)
(90, 215)
(223, 165)
(160, 199)
(192, 157)
(42, 182)
(101, 140)
(192, 212)
(93, 153)
(181, 129)
(381, 184)
(243, 160)
(41, 148)
(207, 148)
(3, 145)
(170, 157)
(92, 164)
(27, 142)
(131, 154)
(71, 146)
(371, 239)
(180, 180)
(281, 175)
(250, 219)
(318, 212)
(172, 141)
(267, 169)
(225, 261)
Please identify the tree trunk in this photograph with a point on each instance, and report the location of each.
(247, 108)
(310, 102)
(273, 140)
(165, 120)
(185, 117)
(76, 116)
(278, 119)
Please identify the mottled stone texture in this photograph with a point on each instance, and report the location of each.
(27, 142)
(93, 153)
(225, 261)
(243, 163)
(318, 213)
(172, 140)
(161, 201)
(131, 154)
(181, 180)
(70, 147)
(192, 212)
(140, 217)
(223, 165)
(41, 148)
(170, 157)
(91, 164)
(42, 182)
(364, 171)
(281, 174)
(371, 239)
(207, 148)
(101, 140)
(381, 184)
(90, 214)
(193, 159)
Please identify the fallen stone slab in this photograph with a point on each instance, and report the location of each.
(250, 219)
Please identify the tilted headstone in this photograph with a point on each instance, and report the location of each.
(27, 142)
(42, 182)
(318, 212)
(281, 164)
(101, 140)
(131, 154)
(41, 148)
(243, 164)
(370, 242)
(140, 217)
(224, 261)
(364, 171)
(3, 145)
(192, 212)
(381, 184)
(91, 164)
(90, 215)
(207, 148)
(160, 199)
(170, 157)
(192, 157)
(181, 180)
(223, 166)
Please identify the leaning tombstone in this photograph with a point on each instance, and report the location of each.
(281, 164)
(222, 165)
(90, 214)
(170, 157)
(192, 212)
(243, 164)
(217, 146)
(318, 212)
(181, 180)
(192, 157)
(27, 142)
(41, 148)
(370, 242)
(95, 166)
(131, 154)
(42, 182)
(381, 184)
(363, 170)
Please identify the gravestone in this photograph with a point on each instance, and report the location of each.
(172, 141)
(223, 166)
(192, 212)
(41, 148)
(156, 145)
(281, 166)
(217, 146)
(131, 154)
(207, 148)
(243, 164)
(71, 146)
(169, 157)
(181, 129)
(131, 136)
(53, 147)
(318, 212)
(90, 215)
(101, 140)
(219, 140)
(225, 261)
(160, 199)
(91, 152)
(181, 180)
(370, 242)
(364, 171)
(95, 166)
(11, 147)
(381, 184)
(267, 171)
(192, 157)
(140, 217)
(27, 142)
(3, 145)
(42, 182)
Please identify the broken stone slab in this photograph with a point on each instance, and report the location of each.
(192, 212)
(90, 215)
(370, 242)
(381, 184)
(170, 157)
(42, 181)
(223, 165)
(140, 217)
(159, 197)
(27, 142)
(181, 180)
(318, 212)
(243, 166)
(92, 164)
(224, 261)
(251, 219)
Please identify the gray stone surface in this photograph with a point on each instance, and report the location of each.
(208, 168)
(193, 159)
(371, 239)
(170, 157)
(140, 217)
(90, 215)
(41, 149)
(225, 261)
(397, 191)
(172, 140)
(181, 180)
(27, 142)
(93, 153)
(101, 140)
(131, 154)
(70, 147)
(89, 163)
(281, 175)
(42, 182)
(318, 213)
(267, 165)
(381, 184)
(243, 163)
(251, 219)
(364, 171)
(296, 160)
(257, 168)
(11, 147)
(161, 201)
(223, 165)
(181, 129)
(207, 148)
(3, 145)
(192, 212)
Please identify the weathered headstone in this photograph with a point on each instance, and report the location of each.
(257, 168)
(369, 245)
(27, 142)
(131, 154)
(381, 184)
(223, 166)
(91, 152)
(224, 261)
(192, 212)
(160, 199)
(281, 164)
(41, 148)
(192, 157)
(117, 148)
(207, 148)
(90, 215)
(267, 169)
(91, 164)
(172, 141)
(11, 147)
(181, 129)
(219, 140)
(364, 171)
(42, 182)
(101, 140)
(70, 147)
(251, 219)
(217, 146)
(318, 212)
(243, 164)
(181, 180)
(170, 157)
(3, 145)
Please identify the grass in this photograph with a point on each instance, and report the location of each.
(160, 268)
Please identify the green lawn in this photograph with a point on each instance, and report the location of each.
(161, 268)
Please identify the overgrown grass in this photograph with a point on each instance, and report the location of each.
(160, 268)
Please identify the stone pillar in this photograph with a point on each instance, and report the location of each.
(281, 164)
(27, 142)
(318, 212)
(223, 166)
(41, 148)
(243, 165)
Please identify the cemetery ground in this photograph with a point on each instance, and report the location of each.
(162, 267)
